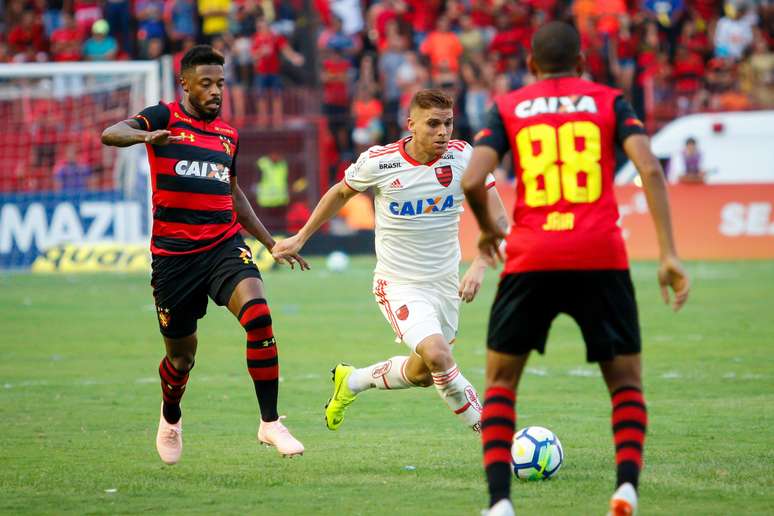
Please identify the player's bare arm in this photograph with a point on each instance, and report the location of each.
(474, 276)
(482, 162)
(671, 273)
(128, 132)
(250, 221)
(330, 204)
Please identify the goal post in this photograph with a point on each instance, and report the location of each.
(62, 193)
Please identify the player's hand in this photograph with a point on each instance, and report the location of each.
(672, 275)
(286, 251)
(161, 137)
(489, 246)
(471, 281)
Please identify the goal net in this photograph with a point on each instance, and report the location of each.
(65, 198)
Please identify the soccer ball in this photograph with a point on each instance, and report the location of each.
(537, 453)
(337, 261)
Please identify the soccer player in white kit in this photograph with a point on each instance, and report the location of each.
(418, 200)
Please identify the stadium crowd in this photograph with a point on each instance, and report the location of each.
(365, 59)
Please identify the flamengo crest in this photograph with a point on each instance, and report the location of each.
(444, 175)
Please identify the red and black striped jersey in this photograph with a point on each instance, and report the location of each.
(191, 180)
(563, 133)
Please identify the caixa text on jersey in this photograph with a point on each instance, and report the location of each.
(422, 206)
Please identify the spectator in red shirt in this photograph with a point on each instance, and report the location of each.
(423, 17)
(86, 13)
(482, 13)
(66, 40)
(379, 16)
(694, 39)
(267, 49)
(335, 81)
(624, 56)
(509, 39)
(27, 35)
(688, 70)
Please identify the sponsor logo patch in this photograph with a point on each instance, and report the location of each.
(470, 394)
(246, 256)
(388, 165)
(421, 206)
(203, 169)
(444, 175)
(542, 105)
(402, 313)
(164, 317)
(483, 133)
(227, 147)
(382, 369)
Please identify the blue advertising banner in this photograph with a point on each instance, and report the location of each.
(32, 223)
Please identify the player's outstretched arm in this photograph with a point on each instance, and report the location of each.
(330, 204)
(482, 162)
(128, 132)
(250, 221)
(474, 276)
(671, 273)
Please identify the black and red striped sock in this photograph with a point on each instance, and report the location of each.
(262, 362)
(498, 423)
(630, 422)
(173, 383)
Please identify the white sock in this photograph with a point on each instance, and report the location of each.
(390, 374)
(460, 395)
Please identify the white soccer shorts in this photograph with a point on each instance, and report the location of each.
(417, 311)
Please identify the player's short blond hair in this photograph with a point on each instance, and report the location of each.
(431, 98)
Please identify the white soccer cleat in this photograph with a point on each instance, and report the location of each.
(623, 501)
(502, 508)
(276, 434)
(169, 440)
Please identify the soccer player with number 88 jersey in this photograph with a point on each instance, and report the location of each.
(418, 200)
(565, 253)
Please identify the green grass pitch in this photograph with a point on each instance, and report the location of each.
(79, 401)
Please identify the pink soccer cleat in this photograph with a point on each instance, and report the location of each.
(624, 501)
(169, 440)
(277, 435)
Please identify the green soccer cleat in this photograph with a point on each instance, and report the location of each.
(342, 396)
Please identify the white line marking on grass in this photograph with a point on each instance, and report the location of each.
(146, 379)
(671, 375)
(583, 372)
(729, 376)
(8, 385)
(712, 272)
(32, 383)
(537, 371)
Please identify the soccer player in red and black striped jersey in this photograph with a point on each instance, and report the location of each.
(198, 252)
(565, 252)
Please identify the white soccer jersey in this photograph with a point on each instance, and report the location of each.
(417, 209)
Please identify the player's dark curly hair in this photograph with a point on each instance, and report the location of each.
(555, 47)
(201, 55)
